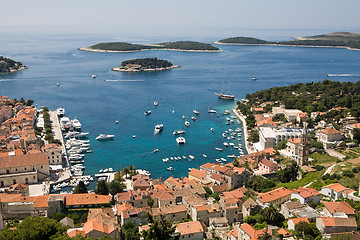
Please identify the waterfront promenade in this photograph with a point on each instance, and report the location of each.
(249, 148)
(65, 174)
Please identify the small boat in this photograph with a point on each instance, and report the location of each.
(253, 78)
(180, 140)
(171, 158)
(204, 155)
(212, 129)
(224, 135)
(196, 112)
(156, 103)
(89, 151)
(231, 144)
(104, 137)
(172, 111)
(225, 144)
(134, 136)
(177, 132)
(170, 168)
(158, 128)
(218, 160)
(218, 149)
(211, 110)
(228, 119)
(232, 121)
(190, 169)
(165, 160)
(147, 112)
(231, 156)
(187, 123)
(60, 112)
(183, 117)
(111, 170)
(93, 76)
(223, 159)
(76, 124)
(226, 112)
(191, 157)
(155, 150)
(57, 84)
(193, 118)
(184, 157)
(116, 122)
(227, 123)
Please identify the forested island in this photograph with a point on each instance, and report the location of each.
(8, 65)
(336, 39)
(188, 46)
(144, 64)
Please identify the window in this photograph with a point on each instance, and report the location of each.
(15, 169)
(26, 181)
(2, 183)
(34, 177)
(170, 202)
(41, 167)
(14, 181)
(7, 171)
(25, 169)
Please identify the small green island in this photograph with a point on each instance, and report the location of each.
(8, 65)
(186, 46)
(335, 40)
(145, 65)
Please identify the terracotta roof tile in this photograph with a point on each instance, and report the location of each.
(337, 187)
(344, 207)
(189, 228)
(274, 194)
(306, 192)
(24, 160)
(330, 131)
(197, 173)
(297, 220)
(337, 222)
(86, 199)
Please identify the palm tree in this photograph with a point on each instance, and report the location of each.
(132, 170)
(270, 213)
(126, 171)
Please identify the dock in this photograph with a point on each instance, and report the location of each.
(249, 149)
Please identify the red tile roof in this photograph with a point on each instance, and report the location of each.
(306, 192)
(339, 222)
(197, 173)
(24, 160)
(344, 207)
(295, 140)
(86, 199)
(337, 187)
(301, 219)
(189, 227)
(274, 194)
(330, 131)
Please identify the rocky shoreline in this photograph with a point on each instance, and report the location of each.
(12, 70)
(124, 69)
(283, 45)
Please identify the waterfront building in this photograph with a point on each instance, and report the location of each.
(54, 153)
(26, 168)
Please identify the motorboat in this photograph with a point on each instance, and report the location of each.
(184, 157)
(204, 155)
(105, 137)
(76, 124)
(228, 119)
(212, 129)
(227, 123)
(225, 144)
(226, 112)
(57, 84)
(155, 150)
(183, 117)
(134, 136)
(224, 135)
(60, 112)
(116, 122)
(147, 112)
(111, 170)
(231, 156)
(191, 157)
(223, 159)
(218, 160)
(93, 76)
(187, 123)
(156, 103)
(211, 110)
(196, 112)
(193, 118)
(177, 132)
(218, 149)
(180, 140)
(165, 160)
(170, 168)
(253, 78)
(158, 128)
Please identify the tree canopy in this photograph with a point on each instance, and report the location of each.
(7, 65)
(80, 188)
(160, 229)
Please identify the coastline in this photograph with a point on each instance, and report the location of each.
(249, 149)
(15, 70)
(284, 45)
(88, 49)
(119, 69)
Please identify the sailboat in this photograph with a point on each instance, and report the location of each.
(227, 95)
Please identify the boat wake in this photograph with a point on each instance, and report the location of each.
(114, 80)
(343, 75)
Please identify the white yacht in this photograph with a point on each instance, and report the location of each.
(218, 149)
(147, 112)
(76, 124)
(187, 123)
(196, 112)
(211, 110)
(104, 137)
(204, 155)
(60, 112)
(177, 132)
(180, 140)
(193, 118)
(191, 157)
(183, 117)
(212, 129)
(226, 112)
(225, 144)
(158, 128)
(93, 76)
(224, 135)
(170, 168)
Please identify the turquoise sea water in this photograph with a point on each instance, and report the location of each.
(53, 57)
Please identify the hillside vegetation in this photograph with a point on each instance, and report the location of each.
(312, 97)
(338, 39)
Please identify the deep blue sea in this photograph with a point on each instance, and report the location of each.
(52, 56)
